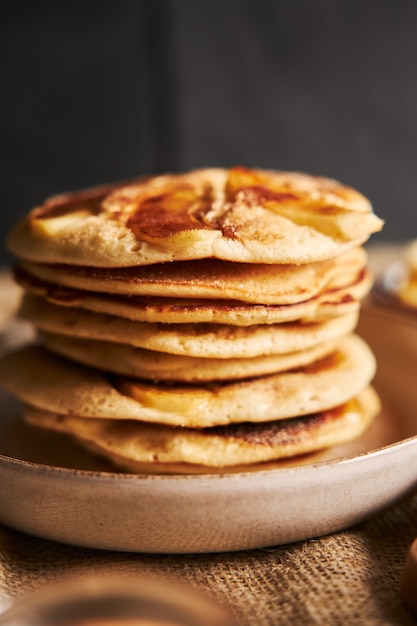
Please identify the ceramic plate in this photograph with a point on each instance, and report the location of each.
(50, 489)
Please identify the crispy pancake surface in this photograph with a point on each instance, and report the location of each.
(328, 304)
(241, 215)
(219, 341)
(131, 444)
(54, 384)
(212, 279)
(127, 360)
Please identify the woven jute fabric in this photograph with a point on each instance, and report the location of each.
(350, 577)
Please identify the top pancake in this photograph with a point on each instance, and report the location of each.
(248, 216)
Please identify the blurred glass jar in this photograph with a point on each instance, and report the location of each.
(116, 601)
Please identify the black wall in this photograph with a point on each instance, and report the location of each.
(97, 91)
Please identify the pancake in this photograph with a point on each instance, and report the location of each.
(407, 293)
(212, 279)
(197, 321)
(158, 366)
(410, 255)
(240, 215)
(131, 444)
(324, 384)
(404, 285)
(329, 303)
(56, 385)
(198, 340)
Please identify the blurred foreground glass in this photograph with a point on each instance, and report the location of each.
(132, 601)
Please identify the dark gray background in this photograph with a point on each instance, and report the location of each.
(96, 91)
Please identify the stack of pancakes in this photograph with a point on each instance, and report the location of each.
(196, 321)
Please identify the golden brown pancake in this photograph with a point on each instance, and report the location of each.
(407, 294)
(198, 320)
(410, 255)
(195, 340)
(328, 304)
(131, 444)
(158, 366)
(248, 216)
(404, 283)
(212, 279)
(57, 385)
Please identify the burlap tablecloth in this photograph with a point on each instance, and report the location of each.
(349, 577)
